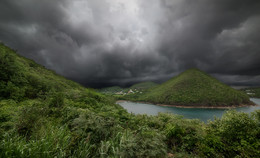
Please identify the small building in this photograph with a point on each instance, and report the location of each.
(119, 93)
(130, 91)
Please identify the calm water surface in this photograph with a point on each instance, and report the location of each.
(192, 113)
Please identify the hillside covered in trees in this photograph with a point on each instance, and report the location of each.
(193, 88)
(43, 114)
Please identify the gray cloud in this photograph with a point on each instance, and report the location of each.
(115, 42)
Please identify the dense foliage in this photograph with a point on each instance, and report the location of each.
(195, 88)
(44, 115)
(23, 79)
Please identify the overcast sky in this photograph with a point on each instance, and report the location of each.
(119, 42)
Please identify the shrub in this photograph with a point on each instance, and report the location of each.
(238, 133)
(99, 128)
(57, 100)
(30, 118)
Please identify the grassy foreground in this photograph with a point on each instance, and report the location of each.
(44, 115)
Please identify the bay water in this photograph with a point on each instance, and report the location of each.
(204, 114)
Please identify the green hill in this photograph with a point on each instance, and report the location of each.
(194, 87)
(43, 114)
(22, 78)
(143, 85)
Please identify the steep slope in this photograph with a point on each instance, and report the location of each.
(194, 87)
(22, 78)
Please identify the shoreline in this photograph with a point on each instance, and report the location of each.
(188, 106)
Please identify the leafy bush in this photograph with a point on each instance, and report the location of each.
(7, 112)
(29, 119)
(96, 127)
(238, 133)
(57, 100)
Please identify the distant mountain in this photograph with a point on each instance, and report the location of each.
(136, 88)
(143, 85)
(111, 90)
(195, 88)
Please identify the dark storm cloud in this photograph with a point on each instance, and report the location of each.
(117, 42)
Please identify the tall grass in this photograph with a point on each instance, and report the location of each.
(53, 142)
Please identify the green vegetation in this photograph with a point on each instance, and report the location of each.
(143, 85)
(44, 115)
(136, 88)
(23, 79)
(252, 92)
(111, 90)
(194, 88)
